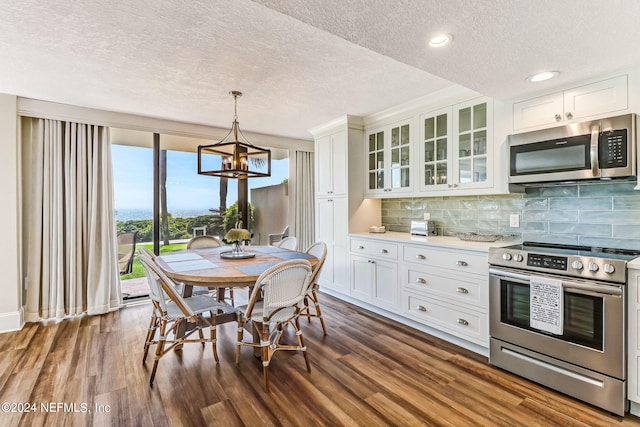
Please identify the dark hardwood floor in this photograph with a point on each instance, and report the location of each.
(368, 371)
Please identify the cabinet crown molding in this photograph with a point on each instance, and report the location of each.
(352, 122)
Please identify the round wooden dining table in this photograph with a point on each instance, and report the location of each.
(206, 266)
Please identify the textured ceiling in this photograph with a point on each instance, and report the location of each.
(300, 63)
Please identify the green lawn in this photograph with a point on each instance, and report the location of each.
(137, 269)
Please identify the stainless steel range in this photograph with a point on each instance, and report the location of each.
(558, 317)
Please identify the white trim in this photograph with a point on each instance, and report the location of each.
(12, 321)
(51, 110)
(476, 348)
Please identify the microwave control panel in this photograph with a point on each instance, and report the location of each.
(613, 149)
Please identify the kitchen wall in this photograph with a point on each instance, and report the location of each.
(600, 214)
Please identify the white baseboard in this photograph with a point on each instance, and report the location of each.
(484, 351)
(12, 321)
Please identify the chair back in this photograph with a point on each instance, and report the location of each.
(276, 237)
(126, 251)
(318, 250)
(165, 288)
(290, 243)
(282, 286)
(204, 242)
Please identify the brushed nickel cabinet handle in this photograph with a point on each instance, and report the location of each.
(462, 291)
(422, 308)
(360, 247)
(558, 117)
(462, 263)
(569, 115)
(421, 281)
(463, 322)
(420, 256)
(384, 251)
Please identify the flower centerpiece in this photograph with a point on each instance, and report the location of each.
(236, 237)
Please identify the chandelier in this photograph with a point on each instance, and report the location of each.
(233, 157)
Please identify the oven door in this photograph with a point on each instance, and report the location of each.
(594, 333)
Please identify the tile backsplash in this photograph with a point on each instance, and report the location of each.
(598, 214)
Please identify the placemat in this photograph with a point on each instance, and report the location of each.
(256, 269)
(200, 264)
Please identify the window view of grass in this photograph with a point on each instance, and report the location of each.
(137, 269)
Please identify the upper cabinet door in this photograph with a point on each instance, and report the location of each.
(588, 100)
(435, 149)
(324, 172)
(331, 153)
(474, 138)
(389, 157)
(597, 98)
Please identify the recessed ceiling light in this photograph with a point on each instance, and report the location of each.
(440, 40)
(540, 77)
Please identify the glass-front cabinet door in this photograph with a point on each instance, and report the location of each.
(435, 149)
(376, 161)
(389, 159)
(473, 136)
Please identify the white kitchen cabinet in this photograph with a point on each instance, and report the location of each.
(633, 357)
(331, 228)
(331, 159)
(587, 100)
(389, 157)
(339, 189)
(448, 290)
(456, 147)
(375, 281)
(374, 272)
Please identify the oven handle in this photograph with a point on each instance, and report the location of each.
(600, 289)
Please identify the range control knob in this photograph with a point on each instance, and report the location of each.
(608, 268)
(577, 265)
(592, 266)
(506, 256)
(518, 258)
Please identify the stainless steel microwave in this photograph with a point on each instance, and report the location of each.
(597, 149)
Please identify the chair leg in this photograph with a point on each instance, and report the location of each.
(159, 350)
(240, 338)
(233, 303)
(318, 311)
(213, 333)
(306, 311)
(153, 326)
(301, 343)
(266, 354)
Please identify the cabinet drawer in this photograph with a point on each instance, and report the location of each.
(455, 320)
(375, 249)
(460, 289)
(455, 260)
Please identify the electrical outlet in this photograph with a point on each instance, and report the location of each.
(427, 216)
(514, 220)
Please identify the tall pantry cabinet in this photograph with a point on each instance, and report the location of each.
(339, 196)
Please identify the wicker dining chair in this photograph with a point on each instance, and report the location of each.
(282, 288)
(290, 243)
(202, 242)
(318, 250)
(171, 311)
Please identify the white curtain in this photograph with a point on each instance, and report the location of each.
(304, 218)
(70, 234)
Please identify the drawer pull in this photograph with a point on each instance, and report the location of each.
(462, 263)
(420, 256)
(462, 291)
(421, 281)
(463, 322)
(360, 247)
(422, 308)
(384, 251)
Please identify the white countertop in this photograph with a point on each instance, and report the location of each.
(635, 264)
(443, 241)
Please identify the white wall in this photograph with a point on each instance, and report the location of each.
(10, 304)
